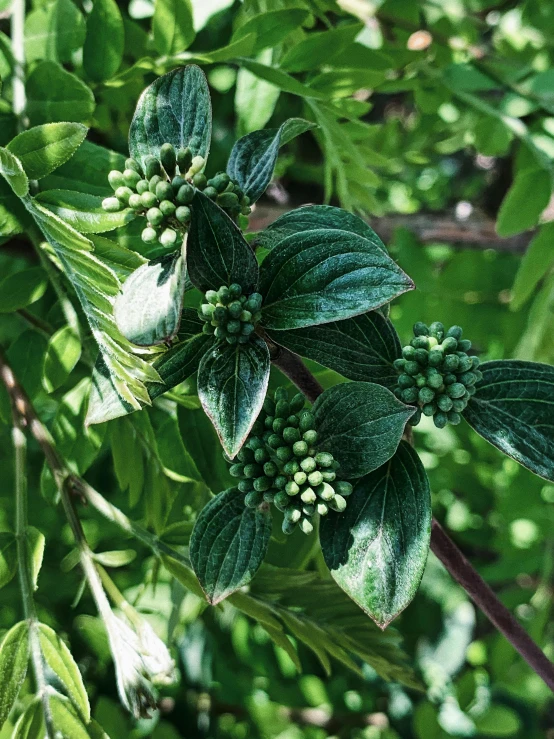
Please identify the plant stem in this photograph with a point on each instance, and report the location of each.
(18, 50)
(444, 548)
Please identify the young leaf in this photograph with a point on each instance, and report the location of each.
(253, 157)
(31, 723)
(172, 26)
(326, 275)
(21, 289)
(14, 658)
(62, 354)
(12, 170)
(8, 558)
(311, 217)
(377, 549)
(44, 148)
(175, 109)
(35, 542)
(66, 720)
(513, 410)
(218, 253)
(82, 211)
(361, 424)
(524, 202)
(60, 660)
(104, 42)
(228, 544)
(232, 382)
(53, 94)
(148, 311)
(360, 348)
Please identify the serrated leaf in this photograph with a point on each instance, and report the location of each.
(360, 348)
(228, 544)
(82, 211)
(148, 310)
(43, 149)
(14, 658)
(53, 94)
(254, 156)
(311, 217)
(524, 202)
(12, 170)
(22, 288)
(361, 424)
(66, 720)
(377, 548)
(218, 253)
(104, 41)
(174, 109)
(513, 410)
(173, 26)
(326, 275)
(60, 660)
(35, 542)
(62, 354)
(8, 557)
(232, 383)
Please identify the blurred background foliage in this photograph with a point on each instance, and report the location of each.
(436, 120)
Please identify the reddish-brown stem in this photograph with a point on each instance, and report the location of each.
(443, 547)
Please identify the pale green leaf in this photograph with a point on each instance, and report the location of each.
(104, 41)
(14, 658)
(35, 542)
(524, 202)
(12, 170)
(172, 26)
(62, 354)
(82, 211)
(44, 148)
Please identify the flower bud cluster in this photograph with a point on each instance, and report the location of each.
(229, 315)
(280, 464)
(436, 373)
(163, 190)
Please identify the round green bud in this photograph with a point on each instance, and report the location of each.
(444, 403)
(455, 332)
(235, 308)
(322, 508)
(111, 205)
(210, 192)
(262, 484)
(451, 363)
(224, 295)
(422, 357)
(183, 214)
(308, 496)
(468, 378)
(281, 501)
(300, 477)
(233, 327)
(416, 418)
(135, 202)
(306, 526)
(420, 329)
(291, 467)
(325, 491)
(465, 363)
(261, 455)
(274, 441)
(164, 191)
(435, 357)
(310, 436)
(328, 475)
(449, 378)
(123, 194)
(167, 208)
(450, 344)
(279, 425)
(308, 464)
(291, 488)
(227, 200)
(142, 186)
(405, 381)
(338, 503)
(184, 160)
(220, 333)
(464, 345)
(280, 481)
(196, 166)
(324, 459)
(300, 448)
(168, 237)
(315, 478)
(270, 469)
(420, 342)
(436, 329)
(155, 216)
(306, 421)
(131, 163)
(291, 435)
(344, 488)
(411, 368)
(410, 395)
(245, 486)
(292, 420)
(220, 181)
(426, 395)
(131, 178)
(207, 311)
(297, 403)
(152, 167)
(408, 352)
(435, 381)
(149, 236)
(148, 199)
(421, 380)
(454, 418)
(236, 470)
(247, 329)
(475, 362)
(253, 499)
(288, 527)
(177, 183)
(283, 453)
(268, 496)
(440, 419)
(458, 405)
(199, 181)
(115, 178)
(220, 315)
(282, 409)
(456, 390)
(185, 195)
(154, 182)
(398, 364)
(429, 409)
(168, 158)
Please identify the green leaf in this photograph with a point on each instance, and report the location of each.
(104, 41)
(232, 383)
(12, 170)
(148, 310)
(377, 549)
(66, 720)
(172, 26)
(217, 252)
(26, 356)
(513, 410)
(54, 32)
(44, 148)
(360, 348)
(53, 94)
(228, 544)
(311, 217)
(280, 79)
(86, 171)
(317, 49)
(116, 558)
(14, 658)
(30, 724)
(8, 558)
(524, 202)
(82, 211)
(326, 275)
(59, 659)
(253, 157)
(62, 354)
(119, 259)
(35, 542)
(255, 99)
(536, 262)
(175, 109)
(271, 27)
(361, 424)
(21, 289)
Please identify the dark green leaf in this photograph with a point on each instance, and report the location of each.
(172, 26)
(44, 148)
(86, 171)
(361, 424)
(513, 408)
(524, 202)
(318, 48)
(253, 157)
(8, 557)
(82, 211)
(228, 544)
(232, 382)
(12, 170)
(148, 311)
(311, 217)
(53, 94)
(14, 658)
(104, 42)
(217, 251)
(377, 549)
(360, 348)
(536, 262)
(174, 109)
(326, 275)
(21, 289)
(271, 27)
(62, 354)
(280, 79)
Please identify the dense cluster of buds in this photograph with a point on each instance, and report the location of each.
(163, 191)
(280, 464)
(436, 373)
(229, 315)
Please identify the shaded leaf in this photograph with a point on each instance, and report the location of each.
(54, 31)
(536, 262)
(524, 202)
(21, 289)
(43, 149)
(14, 658)
(104, 41)
(53, 94)
(62, 354)
(271, 27)
(82, 211)
(173, 26)
(12, 170)
(8, 558)
(228, 544)
(317, 49)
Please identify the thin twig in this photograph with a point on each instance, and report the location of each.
(448, 553)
